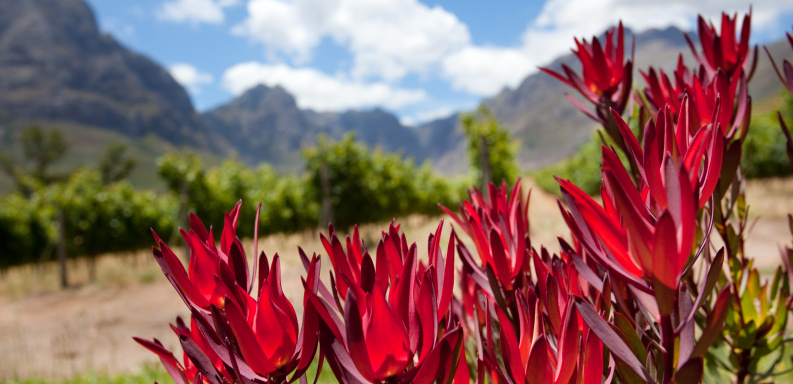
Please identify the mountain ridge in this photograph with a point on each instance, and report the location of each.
(57, 68)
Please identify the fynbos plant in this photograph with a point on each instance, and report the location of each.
(640, 293)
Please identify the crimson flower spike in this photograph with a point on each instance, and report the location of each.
(269, 338)
(606, 78)
(532, 353)
(213, 274)
(724, 52)
(624, 235)
(264, 344)
(499, 229)
(354, 267)
(396, 324)
(714, 101)
(660, 90)
(195, 348)
(700, 155)
(240, 338)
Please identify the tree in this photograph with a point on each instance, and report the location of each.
(43, 148)
(115, 165)
(360, 186)
(184, 174)
(491, 149)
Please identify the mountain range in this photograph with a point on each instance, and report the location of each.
(57, 69)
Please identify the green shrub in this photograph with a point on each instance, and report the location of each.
(764, 149)
(368, 186)
(583, 169)
(481, 126)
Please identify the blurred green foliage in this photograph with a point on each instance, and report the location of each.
(209, 193)
(103, 217)
(482, 126)
(583, 169)
(42, 148)
(98, 218)
(368, 186)
(115, 164)
(764, 149)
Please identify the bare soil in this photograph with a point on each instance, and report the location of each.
(46, 332)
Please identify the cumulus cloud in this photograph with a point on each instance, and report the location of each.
(485, 70)
(318, 91)
(388, 39)
(551, 33)
(190, 77)
(194, 11)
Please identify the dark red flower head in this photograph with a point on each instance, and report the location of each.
(499, 229)
(396, 324)
(628, 237)
(234, 337)
(213, 274)
(607, 75)
(724, 52)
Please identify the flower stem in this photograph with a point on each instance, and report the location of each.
(668, 342)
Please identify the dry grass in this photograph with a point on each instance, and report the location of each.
(112, 270)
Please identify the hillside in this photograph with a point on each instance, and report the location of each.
(55, 65)
(58, 70)
(265, 124)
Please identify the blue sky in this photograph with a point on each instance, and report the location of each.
(418, 59)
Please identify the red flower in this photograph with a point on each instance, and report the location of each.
(268, 334)
(624, 234)
(661, 91)
(396, 322)
(531, 353)
(666, 141)
(499, 229)
(607, 76)
(213, 274)
(712, 99)
(258, 340)
(723, 52)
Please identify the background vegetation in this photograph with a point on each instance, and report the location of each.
(102, 213)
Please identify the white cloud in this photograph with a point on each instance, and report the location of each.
(387, 38)
(485, 70)
(551, 34)
(194, 11)
(318, 91)
(190, 77)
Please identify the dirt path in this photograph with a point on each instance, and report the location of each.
(48, 333)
